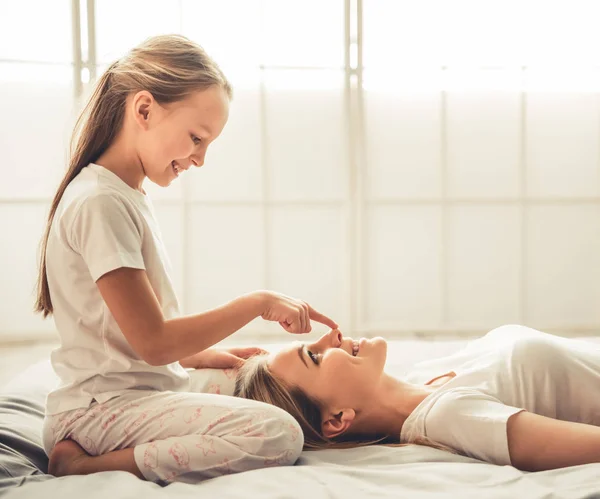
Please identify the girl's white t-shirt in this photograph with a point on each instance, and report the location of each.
(511, 369)
(102, 224)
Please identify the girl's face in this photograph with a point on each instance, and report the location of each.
(329, 372)
(175, 136)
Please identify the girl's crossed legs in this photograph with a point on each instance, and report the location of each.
(172, 436)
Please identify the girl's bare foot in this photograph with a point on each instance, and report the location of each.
(66, 458)
(69, 458)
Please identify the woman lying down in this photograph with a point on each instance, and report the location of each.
(516, 397)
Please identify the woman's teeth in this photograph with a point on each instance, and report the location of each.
(176, 169)
(354, 348)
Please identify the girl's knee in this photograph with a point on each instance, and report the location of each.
(259, 429)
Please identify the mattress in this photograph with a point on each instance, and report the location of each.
(374, 471)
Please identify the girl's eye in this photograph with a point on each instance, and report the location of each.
(196, 140)
(313, 357)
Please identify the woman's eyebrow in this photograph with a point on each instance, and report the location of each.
(300, 351)
(208, 132)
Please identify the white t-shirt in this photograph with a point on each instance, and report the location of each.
(102, 224)
(512, 368)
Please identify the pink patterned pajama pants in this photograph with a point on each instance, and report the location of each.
(182, 436)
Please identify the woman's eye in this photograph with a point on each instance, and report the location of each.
(313, 357)
(195, 139)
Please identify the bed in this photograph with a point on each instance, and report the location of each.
(375, 471)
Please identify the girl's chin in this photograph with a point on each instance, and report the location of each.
(162, 180)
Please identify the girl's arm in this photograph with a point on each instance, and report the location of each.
(538, 443)
(131, 300)
(211, 358)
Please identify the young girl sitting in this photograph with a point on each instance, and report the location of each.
(124, 401)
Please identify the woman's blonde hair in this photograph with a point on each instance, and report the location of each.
(254, 381)
(170, 67)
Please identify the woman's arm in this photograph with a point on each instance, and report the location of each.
(538, 443)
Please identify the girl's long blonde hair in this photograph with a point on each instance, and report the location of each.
(254, 381)
(170, 67)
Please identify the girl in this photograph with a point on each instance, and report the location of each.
(516, 397)
(105, 277)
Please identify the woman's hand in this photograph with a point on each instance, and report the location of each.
(293, 315)
(212, 358)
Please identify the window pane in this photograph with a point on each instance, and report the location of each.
(226, 255)
(483, 132)
(307, 33)
(36, 30)
(474, 32)
(233, 165)
(562, 137)
(563, 266)
(312, 268)
(307, 148)
(123, 24)
(403, 134)
(405, 294)
(232, 40)
(22, 227)
(36, 104)
(483, 265)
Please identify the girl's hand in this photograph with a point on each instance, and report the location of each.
(293, 315)
(211, 358)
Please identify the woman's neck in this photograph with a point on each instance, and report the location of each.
(392, 402)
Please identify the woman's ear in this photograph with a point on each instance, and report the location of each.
(334, 424)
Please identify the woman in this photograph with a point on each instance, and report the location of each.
(516, 397)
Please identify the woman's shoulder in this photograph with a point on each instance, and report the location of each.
(440, 407)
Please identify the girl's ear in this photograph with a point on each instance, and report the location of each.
(334, 425)
(142, 105)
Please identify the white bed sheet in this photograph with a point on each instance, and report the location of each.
(413, 471)
(375, 471)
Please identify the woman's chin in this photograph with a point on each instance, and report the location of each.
(380, 345)
(380, 342)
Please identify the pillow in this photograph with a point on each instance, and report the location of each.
(22, 401)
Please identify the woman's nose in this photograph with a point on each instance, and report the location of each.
(332, 339)
(335, 337)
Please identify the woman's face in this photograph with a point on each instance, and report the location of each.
(328, 371)
(176, 135)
